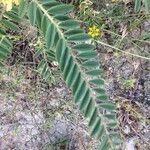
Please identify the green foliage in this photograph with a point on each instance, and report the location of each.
(128, 83)
(43, 68)
(22, 8)
(78, 63)
(5, 48)
(138, 4)
(9, 21)
(72, 48)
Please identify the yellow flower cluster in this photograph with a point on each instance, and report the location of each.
(9, 3)
(94, 31)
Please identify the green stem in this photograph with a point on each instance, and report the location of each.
(128, 53)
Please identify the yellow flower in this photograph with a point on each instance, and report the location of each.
(9, 3)
(94, 31)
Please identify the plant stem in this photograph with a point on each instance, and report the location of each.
(134, 55)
